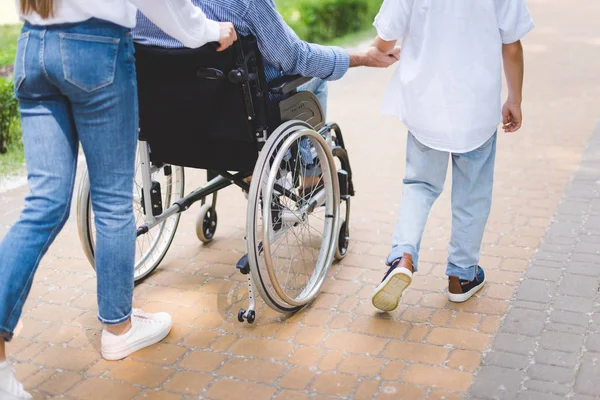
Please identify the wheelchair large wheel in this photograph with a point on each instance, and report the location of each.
(152, 246)
(292, 227)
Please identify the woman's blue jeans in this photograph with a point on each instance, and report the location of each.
(75, 83)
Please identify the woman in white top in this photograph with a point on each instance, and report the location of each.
(75, 80)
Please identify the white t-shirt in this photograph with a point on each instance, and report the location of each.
(178, 18)
(447, 86)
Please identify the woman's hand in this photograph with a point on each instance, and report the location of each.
(228, 35)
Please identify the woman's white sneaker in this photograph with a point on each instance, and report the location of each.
(146, 330)
(10, 387)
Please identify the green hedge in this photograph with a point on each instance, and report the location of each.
(325, 20)
(9, 116)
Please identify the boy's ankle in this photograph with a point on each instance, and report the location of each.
(406, 262)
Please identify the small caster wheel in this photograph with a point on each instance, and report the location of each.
(206, 223)
(241, 315)
(251, 316)
(343, 241)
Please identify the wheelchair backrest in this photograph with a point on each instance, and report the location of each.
(202, 108)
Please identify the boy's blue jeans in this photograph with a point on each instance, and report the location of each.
(472, 181)
(75, 83)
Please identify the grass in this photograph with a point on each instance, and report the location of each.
(355, 38)
(8, 43)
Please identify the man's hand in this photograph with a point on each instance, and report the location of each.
(228, 35)
(512, 118)
(372, 57)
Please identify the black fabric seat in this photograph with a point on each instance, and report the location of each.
(201, 108)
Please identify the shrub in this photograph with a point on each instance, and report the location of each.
(324, 20)
(9, 116)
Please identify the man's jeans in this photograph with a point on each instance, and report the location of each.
(472, 181)
(75, 83)
(319, 88)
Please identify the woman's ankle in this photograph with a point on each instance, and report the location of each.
(2, 350)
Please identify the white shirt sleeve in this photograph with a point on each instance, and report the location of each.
(181, 20)
(514, 20)
(393, 19)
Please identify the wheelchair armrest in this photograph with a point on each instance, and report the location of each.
(287, 84)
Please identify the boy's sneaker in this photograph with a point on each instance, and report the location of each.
(387, 294)
(146, 330)
(460, 290)
(10, 387)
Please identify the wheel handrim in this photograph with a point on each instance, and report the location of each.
(312, 279)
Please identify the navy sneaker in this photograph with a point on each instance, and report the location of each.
(460, 290)
(387, 294)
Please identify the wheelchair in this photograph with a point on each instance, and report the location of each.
(211, 110)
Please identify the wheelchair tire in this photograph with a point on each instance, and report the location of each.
(343, 242)
(152, 246)
(206, 223)
(309, 220)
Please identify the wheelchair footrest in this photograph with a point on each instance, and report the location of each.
(243, 265)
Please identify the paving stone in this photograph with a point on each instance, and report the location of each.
(550, 256)
(561, 341)
(587, 269)
(575, 304)
(506, 360)
(574, 329)
(553, 248)
(593, 342)
(496, 383)
(587, 381)
(581, 286)
(559, 240)
(530, 305)
(524, 322)
(536, 291)
(532, 395)
(557, 358)
(513, 343)
(547, 387)
(566, 317)
(587, 258)
(585, 247)
(549, 264)
(578, 396)
(544, 273)
(550, 373)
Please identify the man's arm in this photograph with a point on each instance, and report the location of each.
(374, 56)
(381, 54)
(187, 23)
(512, 55)
(280, 45)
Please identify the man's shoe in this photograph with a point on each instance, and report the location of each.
(146, 330)
(387, 294)
(460, 290)
(10, 387)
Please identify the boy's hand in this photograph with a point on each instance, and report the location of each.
(512, 118)
(228, 35)
(380, 59)
(372, 57)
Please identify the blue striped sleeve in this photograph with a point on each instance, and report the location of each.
(280, 46)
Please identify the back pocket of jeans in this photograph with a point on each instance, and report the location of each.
(100, 52)
(19, 67)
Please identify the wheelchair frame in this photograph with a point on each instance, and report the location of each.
(220, 179)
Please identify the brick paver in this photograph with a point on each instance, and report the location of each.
(340, 347)
(550, 339)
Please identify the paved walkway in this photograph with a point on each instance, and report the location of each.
(549, 343)
(340, 347)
